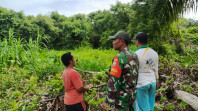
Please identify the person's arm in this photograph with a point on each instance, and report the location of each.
(82, 89)
(131, 78)
(112, 84)
(78, 83)
(111, 91)
(156, 69)
(135, 67)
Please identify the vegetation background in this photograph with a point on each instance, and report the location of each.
(31, 47)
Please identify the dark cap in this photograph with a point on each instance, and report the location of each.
(120, 34)
(142, 37)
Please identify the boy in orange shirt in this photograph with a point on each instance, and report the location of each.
(73, 84)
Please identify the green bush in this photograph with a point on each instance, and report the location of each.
(170, 107)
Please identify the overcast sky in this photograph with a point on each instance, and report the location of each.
(65, 7)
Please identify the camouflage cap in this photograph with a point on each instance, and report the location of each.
(120, 34)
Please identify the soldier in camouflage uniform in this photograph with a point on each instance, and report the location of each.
(121, 86)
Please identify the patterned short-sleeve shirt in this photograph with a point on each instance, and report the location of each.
(121, 85)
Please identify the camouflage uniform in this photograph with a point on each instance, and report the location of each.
(121, 86)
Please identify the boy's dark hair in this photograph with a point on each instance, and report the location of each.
(66, 58)
(141, 37)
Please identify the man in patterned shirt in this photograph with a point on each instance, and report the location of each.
(121, 85)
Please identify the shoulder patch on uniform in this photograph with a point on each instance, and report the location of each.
(115, 68)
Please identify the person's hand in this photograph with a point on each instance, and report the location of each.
(88, 90)
(89, 85)
(83, 83)
(106, 107)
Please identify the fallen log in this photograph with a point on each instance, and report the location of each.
(84, 71)
(192, 100)
(101, 85)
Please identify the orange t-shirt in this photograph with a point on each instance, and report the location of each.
(72, 80)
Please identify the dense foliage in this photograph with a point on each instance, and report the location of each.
(29, 71)
(31, 47)
(60, 32)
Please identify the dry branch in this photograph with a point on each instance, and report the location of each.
(47, 100)
(101, 85)
(84, 71)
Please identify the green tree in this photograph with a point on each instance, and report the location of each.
(100, 22)
(46, 29)
(108, 22)
(121, 16)
(57, 19)
(155, 16)
(167, 11)
(74, 33)
(7, 21)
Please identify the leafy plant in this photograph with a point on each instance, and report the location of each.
(162, 99)
(170, 107)
(183, 105)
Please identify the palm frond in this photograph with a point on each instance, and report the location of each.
(167, 11)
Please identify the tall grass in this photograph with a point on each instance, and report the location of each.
(27, 70)
(24, 66)
(93, 59)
